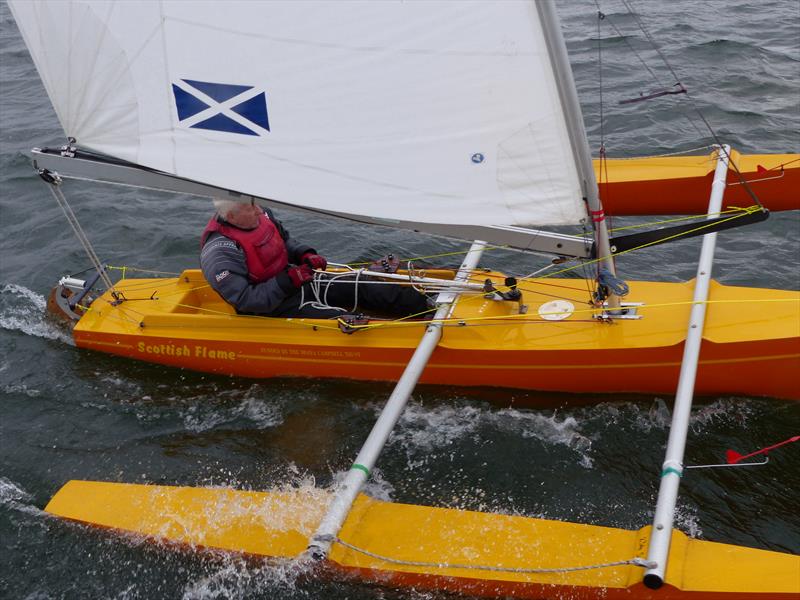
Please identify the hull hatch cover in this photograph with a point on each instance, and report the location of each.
(556, 310)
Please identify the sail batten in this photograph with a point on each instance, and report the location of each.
(435, 112)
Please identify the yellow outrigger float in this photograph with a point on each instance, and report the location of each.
(475, 553)
(679, 184)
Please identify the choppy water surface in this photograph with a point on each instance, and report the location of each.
(74, 414)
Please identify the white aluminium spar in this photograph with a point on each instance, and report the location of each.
(672, 469)
(354, 480)
(435, 112)
(577, 132)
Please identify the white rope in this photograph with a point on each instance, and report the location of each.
(638, 562)
(320, 298)
(539, 271)
(322, 281)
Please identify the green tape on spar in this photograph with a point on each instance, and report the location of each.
(669, 470)
(360, 468)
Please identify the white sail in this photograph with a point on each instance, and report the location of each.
(436, 112)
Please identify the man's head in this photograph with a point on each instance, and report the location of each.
(241, 214)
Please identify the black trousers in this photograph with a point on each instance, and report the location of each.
(381, 299)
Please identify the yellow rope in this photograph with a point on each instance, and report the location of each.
(731, 210)
(126, 268)
(465, 320)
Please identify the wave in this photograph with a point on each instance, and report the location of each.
(14, 497)
(24, 310)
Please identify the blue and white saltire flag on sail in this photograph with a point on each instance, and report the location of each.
(223, 107)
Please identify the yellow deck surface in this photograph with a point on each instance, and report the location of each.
(186, 307)
(279, 524)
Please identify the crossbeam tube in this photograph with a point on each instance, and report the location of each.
(672, 468)
(342, 502)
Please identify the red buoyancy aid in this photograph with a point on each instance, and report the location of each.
(264, 248)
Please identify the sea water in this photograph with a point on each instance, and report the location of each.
(72, 414)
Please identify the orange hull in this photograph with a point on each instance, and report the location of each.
(750, 332)
(760, 367)
(680, 185)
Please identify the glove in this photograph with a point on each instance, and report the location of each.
(300, 275)
(315, 261)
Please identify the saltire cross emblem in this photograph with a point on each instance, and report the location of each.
(221, 107)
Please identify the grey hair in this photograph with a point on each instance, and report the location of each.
(224, 207)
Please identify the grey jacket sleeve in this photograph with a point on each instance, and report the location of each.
(225, 268)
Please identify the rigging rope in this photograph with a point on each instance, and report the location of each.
(638, 562)
(55, 182)
(629, 6)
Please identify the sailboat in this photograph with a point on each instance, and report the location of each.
(451, 119)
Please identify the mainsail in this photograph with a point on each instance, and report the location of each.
(434, 112)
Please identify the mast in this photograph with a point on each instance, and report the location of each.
(576, 131)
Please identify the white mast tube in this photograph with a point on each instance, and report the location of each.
(577, 133)
(672, 469)
(332, 522)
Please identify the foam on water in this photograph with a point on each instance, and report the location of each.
(21, 389)
(377, 486)
(423, 429)
(427, 428)
(258, 413)
(238, 578)
(197, 408)
(687, 519)
(15, 498)
(550, 429)
(24, 310)
(731, 411)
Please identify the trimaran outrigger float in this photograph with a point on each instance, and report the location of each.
(167, 96)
